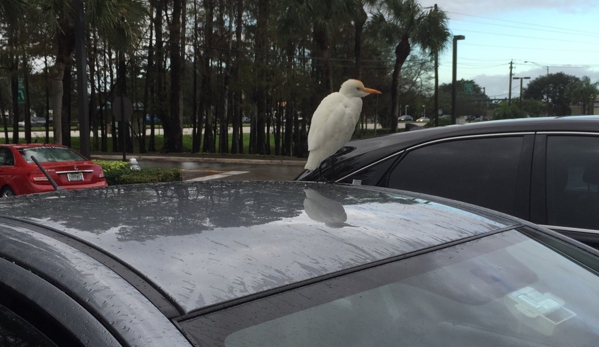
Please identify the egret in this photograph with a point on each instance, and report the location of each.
(334, 121)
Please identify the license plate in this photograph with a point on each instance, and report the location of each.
(73, 177)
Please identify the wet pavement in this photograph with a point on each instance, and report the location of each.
(201, 171)
(211, 168)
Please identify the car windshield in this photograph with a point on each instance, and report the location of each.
(50, 154)
(502, 290)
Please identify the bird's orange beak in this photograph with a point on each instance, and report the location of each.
(371, 91)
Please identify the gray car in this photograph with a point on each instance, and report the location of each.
(285, 264)
(35, 122)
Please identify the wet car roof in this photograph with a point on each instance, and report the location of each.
(206, 243)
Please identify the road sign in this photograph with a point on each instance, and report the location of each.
(468, 88)
(21, 91)
(122, 108)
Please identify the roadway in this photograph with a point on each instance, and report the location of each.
(214, 168)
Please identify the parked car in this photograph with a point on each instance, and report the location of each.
(405, 118)
(286, 264)
(423, 120)
(20, 175)
(149, 119)
(545, 170)
(35, 122)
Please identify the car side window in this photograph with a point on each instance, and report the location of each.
(6, 157)
(15, 331)
(371, 174)
(481, 171)
(573, 181)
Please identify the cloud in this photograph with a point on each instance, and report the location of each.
(497, 86)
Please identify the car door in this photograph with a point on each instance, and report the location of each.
(565, 190)
(492, 171)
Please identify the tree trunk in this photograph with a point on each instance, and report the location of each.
(195, 140)
(359, 21)
(27, 108)
(14, 84)
(322, 40)
(66, 106)
(93, 114)
(173, 129)
(4, 118)
(262, 73)
(402, 50)
(65, 40)
(237, 142)
(206, 78)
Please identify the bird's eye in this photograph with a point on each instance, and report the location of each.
(357, 88)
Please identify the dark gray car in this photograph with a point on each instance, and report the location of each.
(545, 170)
(285, 264)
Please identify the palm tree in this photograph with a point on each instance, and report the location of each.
(411, 24)
(116, 21)
(11, 10)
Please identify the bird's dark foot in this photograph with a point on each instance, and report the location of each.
(321, 178)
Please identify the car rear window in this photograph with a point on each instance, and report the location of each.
(503, 290)
(50, 154)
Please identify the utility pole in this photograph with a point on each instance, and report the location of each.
(81, 62)
(456, 38)
(509, 98)
(521, 80)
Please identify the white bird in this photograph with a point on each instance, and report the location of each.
(334, 121)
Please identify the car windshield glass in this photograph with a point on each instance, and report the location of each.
(502, 290)
(50, 154)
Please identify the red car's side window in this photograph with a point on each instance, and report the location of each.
(6, 157)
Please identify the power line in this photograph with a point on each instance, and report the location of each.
(533, 29)
(530, 48)
(528, 24)
(531, 37)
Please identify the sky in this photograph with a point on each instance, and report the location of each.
(536, 35)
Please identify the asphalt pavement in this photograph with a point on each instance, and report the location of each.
(203, 168)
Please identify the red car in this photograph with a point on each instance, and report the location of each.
(20, 175)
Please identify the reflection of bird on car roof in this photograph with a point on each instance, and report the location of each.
(324, 210)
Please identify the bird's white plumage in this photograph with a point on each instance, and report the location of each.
(334, 121)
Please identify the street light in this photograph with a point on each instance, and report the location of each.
(453, 79)
(532, 62)
(406, 110)
(521, 79)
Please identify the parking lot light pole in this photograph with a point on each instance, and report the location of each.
(532, 62)
(454, 73)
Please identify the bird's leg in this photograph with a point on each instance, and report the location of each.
(320, 176)
(332, 169)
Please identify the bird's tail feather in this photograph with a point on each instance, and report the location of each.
(312, 163)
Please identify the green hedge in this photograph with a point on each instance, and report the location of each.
(118, 172)
(112, 165)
